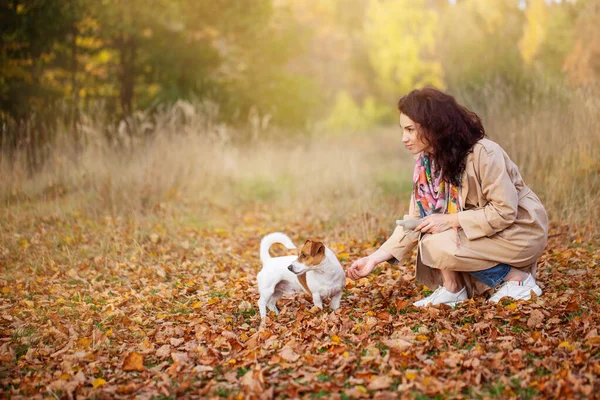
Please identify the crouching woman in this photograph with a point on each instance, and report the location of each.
(481, 227)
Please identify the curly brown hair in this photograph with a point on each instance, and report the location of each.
(449, 128)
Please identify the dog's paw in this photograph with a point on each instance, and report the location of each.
(315, 309)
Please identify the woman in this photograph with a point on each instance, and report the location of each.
(481, 226)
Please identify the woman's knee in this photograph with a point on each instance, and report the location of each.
(439, 251)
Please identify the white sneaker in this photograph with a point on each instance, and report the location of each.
(442, 295)
(517, 290)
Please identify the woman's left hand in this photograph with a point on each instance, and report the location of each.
(436, 223)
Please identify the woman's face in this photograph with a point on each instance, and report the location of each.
(413, 141)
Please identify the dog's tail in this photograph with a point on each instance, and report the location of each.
(269, 240)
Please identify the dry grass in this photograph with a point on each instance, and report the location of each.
(555, 141)
(194, 168)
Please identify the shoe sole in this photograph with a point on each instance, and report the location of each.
(537, 290)
(448, 304)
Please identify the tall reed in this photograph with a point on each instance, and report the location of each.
(181, 156)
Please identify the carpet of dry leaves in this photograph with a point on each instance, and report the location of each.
(100, 308)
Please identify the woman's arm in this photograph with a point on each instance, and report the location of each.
(500, 192)
(402, 241)
(363, 266)
(395, 249)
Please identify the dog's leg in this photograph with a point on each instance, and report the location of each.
(335, 301)
(272, 304)
(265, 297)
(317, 300)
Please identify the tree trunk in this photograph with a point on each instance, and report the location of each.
(127, 51)
(74, 86)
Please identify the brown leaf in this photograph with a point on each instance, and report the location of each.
(133, 362)
(288, 354)
(253, 381)
(181, 358)
(380, 382)
(397, 345)
(164, 351)
(535, 318)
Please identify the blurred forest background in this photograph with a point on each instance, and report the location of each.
(120, 106)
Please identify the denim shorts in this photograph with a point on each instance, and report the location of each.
(492, 276)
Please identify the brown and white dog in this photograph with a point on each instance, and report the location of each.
(316, 271)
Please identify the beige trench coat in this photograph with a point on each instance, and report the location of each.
(502, 221)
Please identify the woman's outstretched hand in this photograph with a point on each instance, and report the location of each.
(361, 268)
(436, 223)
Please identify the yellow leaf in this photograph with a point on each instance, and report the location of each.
(98, 382)
(161, 315)
(422, 337)
(336, 339)
(65, 377)
(84, 342)
(6, 290)
(361, 388)
(410, 376)
(221, 232)
(344, 255)
(566, 345)
(69, 240)
(197, 304)
(345, 354)
(512, 306)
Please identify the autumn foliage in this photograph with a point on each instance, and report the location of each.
(107, 308)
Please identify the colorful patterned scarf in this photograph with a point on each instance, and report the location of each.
(432, 194)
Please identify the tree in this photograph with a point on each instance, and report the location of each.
(400, 41)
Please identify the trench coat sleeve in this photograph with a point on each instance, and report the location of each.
(498, 189)
(402, 241)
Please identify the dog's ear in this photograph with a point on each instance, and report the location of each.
(316, 248)
(307, 246)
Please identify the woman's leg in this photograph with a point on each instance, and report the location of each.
(516, 284)
(452, 281)
(500, 273)
(516, 275)
(451, 292)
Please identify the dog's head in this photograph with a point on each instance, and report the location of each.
(311, 255)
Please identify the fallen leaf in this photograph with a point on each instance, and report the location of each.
(164, 351)
(398, 345)
(380, 382)
(535, 319)
(288, 354)
(253, 381)
(133, 362)
(98, 382)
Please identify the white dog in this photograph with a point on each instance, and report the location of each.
(316, 271)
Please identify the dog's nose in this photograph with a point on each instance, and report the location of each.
(290, 267)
